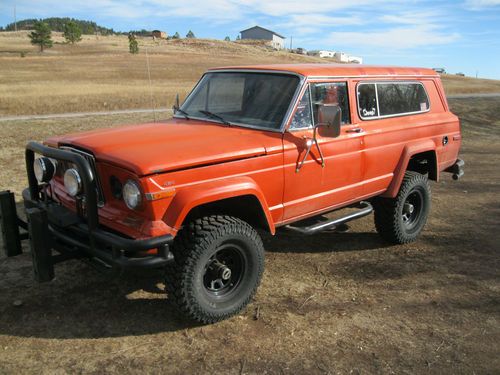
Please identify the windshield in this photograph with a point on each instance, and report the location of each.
(254, 99)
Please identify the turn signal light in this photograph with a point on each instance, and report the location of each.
(160, 195)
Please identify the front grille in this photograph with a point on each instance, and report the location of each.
(91, 160)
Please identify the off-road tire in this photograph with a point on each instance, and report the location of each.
(194, 246)
(389, 215)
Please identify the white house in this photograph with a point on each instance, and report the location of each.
(276, 40)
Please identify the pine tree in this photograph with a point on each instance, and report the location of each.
(176, 36)
(72, 32)
(42, 35)
(238, 38)
(190, 35)
(227, 39)
(133, 46)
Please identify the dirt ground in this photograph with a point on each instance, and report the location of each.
(330, 303)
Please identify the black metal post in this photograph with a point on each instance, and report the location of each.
(41, 249)
(32, 181)
(8, 219)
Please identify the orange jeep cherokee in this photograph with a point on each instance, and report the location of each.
(254, 147)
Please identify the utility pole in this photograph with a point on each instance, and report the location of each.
(291, 40)
(15, 19)
(476, 73)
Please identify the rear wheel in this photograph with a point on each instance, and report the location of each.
(401, 219)
(219, 262)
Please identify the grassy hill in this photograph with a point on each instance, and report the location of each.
(99, 73)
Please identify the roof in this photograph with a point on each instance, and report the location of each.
(262, 28)
(341, 70)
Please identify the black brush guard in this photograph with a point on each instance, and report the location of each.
(50, 226)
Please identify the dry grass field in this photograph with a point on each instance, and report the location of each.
(467, 85)
(333, 303)
(100, 74)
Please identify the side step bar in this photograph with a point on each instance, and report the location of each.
(365, 208)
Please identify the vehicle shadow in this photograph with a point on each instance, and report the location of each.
(288, 242)
(82, 302)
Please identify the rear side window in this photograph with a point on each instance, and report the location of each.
(399, 98)
(387, 99)
(367, 100)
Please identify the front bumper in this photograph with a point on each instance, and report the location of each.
(53, 227)
(69, 234)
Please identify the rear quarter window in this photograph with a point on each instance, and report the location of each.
(388, 99)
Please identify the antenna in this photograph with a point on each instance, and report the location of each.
(15, 19)
(176, 105)
(150, 85)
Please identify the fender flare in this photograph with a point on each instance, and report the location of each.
(408, 151)
(194, 196)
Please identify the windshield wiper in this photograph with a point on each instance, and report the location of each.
(215, 115)
(186, 115)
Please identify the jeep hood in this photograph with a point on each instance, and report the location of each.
(172, 145)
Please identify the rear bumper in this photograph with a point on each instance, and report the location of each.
(457, 169)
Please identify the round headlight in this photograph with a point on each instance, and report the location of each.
(44, 169)
(72, 182)
(132, 195)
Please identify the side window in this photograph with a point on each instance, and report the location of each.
(401, 98)
(302, 117)
(376, 100)
(367, 100)
(331, 94)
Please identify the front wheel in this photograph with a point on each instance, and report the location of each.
(400, 220)
(219, 261)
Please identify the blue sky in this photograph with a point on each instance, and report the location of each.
(462, 36)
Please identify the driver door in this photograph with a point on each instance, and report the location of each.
(314, 189)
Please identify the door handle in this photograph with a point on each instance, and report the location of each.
(354, 130)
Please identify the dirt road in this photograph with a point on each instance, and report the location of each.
(161, 111)
(490, 95)
(330, 303)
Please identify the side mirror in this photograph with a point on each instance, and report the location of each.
(176, 106)
(329, 118)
